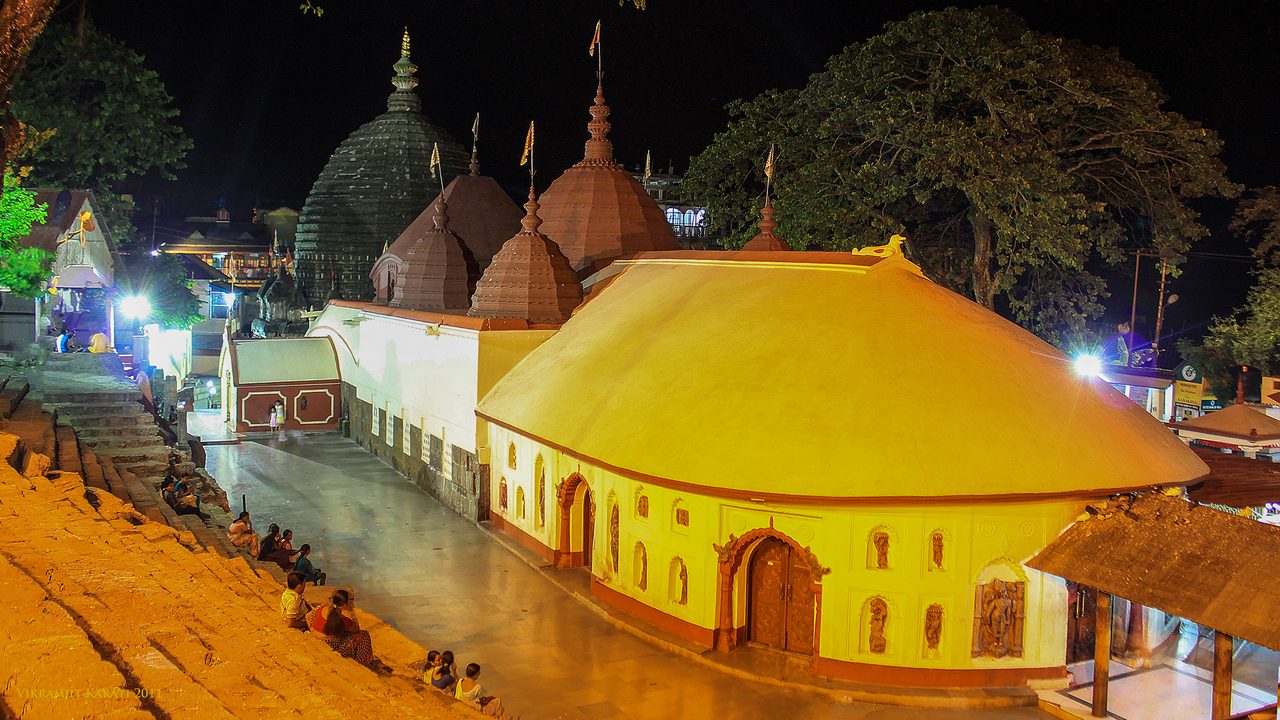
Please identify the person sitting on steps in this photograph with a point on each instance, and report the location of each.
(293, 606)
(242, 535)
(340, 631)
(303, 565)
(469, 690)
(267, 544)
(284, 552)
(445, 674)
(182, 504)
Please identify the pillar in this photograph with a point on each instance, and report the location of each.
(1101, 654)
(726, 637)
(1136, 643)
(1223, 647)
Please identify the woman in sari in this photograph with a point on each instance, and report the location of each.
(341, 633)
(242, 535)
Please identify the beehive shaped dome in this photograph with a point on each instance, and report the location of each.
(374, 185)
(529, 278)
(439, 272)
(596, 210)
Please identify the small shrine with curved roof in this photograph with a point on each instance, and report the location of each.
(373, 186)
(439, 272)
(529, 278)
(596, 210)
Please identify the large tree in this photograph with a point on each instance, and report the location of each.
(23, 270)
(1013, 160)
(114, 119)
(1250, 335)
(21, 22)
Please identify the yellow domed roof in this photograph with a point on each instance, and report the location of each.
(824, 376)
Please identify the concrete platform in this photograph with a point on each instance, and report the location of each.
(444, 583)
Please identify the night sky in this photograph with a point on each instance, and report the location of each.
(267, 93)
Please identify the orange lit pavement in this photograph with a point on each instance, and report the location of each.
(445, 584)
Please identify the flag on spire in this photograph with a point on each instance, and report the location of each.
(768, 164)
(475, 128)
(595, 41)
(648, 165)
(528, 145)
(435, 159)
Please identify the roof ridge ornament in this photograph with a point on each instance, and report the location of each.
(765, 239)
(893, 248)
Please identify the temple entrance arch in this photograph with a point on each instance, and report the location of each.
(770, 592)
(575, 522)
(780, 597)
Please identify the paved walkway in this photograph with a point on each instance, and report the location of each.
(442, 582)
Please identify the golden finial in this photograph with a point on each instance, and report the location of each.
(404, 43)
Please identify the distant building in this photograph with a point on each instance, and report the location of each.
(688, 220)
(246, 252)
(84, 268)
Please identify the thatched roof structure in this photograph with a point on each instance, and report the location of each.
(1211, 567)
(1236, 480)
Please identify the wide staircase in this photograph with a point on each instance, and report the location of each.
(117, 608)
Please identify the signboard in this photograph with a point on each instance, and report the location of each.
(1187, 393)
(1271, 390)
(1210, 403)
(1188, 373)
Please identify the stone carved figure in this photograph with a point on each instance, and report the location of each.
(881, 542)
(999, 608)
(502, 494)
(613, 536)
(933, 626)
(876, 642)
(684, 584)
(642, 581)
(542, 499)
(642, 506)
(936, 542)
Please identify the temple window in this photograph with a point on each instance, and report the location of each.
(679, 517)
(641, 567)
(511, 455)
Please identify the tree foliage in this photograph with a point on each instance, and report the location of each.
(23, 270)
(162, 280)
(1251, 334)
(1012, 160)
(1258, 216)
(113, 116)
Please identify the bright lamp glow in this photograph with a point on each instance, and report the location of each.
(135, 306)
(228, 298)
(1087, 365)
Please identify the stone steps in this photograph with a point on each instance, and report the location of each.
(92, 398)
(117, 438)
(198, 631)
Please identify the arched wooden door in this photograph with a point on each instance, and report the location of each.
(588, 526)
(780, 610)
(1082, 604)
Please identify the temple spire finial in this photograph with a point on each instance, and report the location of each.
(405, 78)
(531, 221)
(599, 149)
